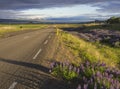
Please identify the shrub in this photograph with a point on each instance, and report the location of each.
(88, 75)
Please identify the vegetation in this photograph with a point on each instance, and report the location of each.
(96, 65)
(7, 28)
(90, 51)
(113, 20)
(88, 75)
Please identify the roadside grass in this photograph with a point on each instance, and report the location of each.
(83, 64)
(7, 28)
(93, 52)
(90, 26)
(76, 25)
(108, 26)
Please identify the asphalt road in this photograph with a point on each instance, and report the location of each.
(21, 58)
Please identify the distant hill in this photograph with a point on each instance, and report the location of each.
(13, 21)
(51, 20)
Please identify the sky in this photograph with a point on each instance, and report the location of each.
(81, 10)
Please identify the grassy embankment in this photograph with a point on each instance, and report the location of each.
(91, 26)
(77, 50)
(87, 65)
(5, 28)
(107, 26)
(90, 51)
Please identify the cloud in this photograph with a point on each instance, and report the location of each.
(11, 14)
(28, 4)
(82, 18)
(8, 14)
(109, 7)
(13, 8)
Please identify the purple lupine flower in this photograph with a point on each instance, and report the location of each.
(74, 69)
(70, 67)
(79, 87)
(98, 73)
(97, 78)
(52, 65)
(117, 85)
(118, 72)
(78, 70)
(67, 63)
(110, 76)
(108, 70)
(82, 67)
(111, 80)
(85, 86)
(102, 64)
(84, 79)
(87, 63)
(111, 87)
(106, 74)
(91, 80)
(95, 86)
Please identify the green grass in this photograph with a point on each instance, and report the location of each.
(90, 26)
(7, 28)
(90, 51)
(109, 26)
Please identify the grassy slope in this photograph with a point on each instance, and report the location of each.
(110, 26)
(4, 28)
(91, 26)
(85, 50)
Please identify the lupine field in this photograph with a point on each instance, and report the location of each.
(94, 65)
(87, 75)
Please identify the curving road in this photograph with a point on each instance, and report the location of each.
(21, 58)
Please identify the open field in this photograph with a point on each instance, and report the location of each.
(90, 26)
(8, 28)
(83, 50)
(83, 63)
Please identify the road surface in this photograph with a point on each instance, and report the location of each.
(21, 58)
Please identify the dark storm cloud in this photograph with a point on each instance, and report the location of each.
(8, 14)
(13, 8)
(110, 7)
(28, 4)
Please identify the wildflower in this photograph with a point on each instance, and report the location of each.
(79, 87)
(85, 86)
(78, 70)
(111, 87)
(95, 86)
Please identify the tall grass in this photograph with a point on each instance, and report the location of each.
(90, 51)
(107, 26)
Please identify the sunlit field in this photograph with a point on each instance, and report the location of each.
(86, 64)
(7, 28)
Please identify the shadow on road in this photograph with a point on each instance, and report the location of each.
(26, 64)
(34, 76)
